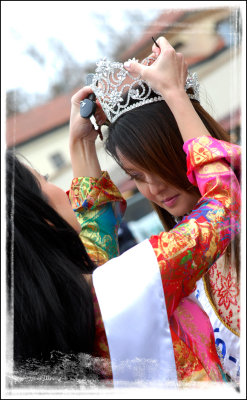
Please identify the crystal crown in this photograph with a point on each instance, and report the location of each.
(118, 91)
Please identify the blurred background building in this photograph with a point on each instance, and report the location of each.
(210, 40)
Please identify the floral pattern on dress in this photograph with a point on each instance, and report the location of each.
(227, 291)
(224, 291)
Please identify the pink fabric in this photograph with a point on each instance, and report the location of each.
(185, 322)
(207, 149)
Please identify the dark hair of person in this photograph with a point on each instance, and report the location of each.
(149, 137)
(49, 297)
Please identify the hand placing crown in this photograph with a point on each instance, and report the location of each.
(120, 87)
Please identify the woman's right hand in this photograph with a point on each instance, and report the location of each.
(167, 73)
(82, 128)
(83, 153)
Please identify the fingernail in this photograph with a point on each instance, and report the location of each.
(127, 64)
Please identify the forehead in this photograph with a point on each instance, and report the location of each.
(127, 164)
(39, 178)
(33, 171)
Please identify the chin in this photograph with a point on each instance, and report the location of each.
(180, 213)
(78, 229)
(76, 226)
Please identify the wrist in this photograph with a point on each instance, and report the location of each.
(80, 142)
(84, 158)
(173, 96)
(73, 142)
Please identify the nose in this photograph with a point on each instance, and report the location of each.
(155, 185)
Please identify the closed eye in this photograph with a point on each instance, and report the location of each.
(136, 177)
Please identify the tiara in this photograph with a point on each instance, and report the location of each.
(119, 91)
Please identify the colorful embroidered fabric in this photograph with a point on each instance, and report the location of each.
(193, 343)
(220, 288)
(224, 288)
(184, 253)
(99, 208)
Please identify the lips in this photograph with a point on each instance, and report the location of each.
(170, 201)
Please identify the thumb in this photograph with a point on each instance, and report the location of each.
(81, 94)
(134, 67)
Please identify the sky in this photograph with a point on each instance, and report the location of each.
(26, 23)
(72, 22)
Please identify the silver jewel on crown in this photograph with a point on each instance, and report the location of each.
(115, 88)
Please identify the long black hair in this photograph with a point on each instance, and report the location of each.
(50, 299)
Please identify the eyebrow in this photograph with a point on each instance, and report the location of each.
(39, 175)
(129, 171)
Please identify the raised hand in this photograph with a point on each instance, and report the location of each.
(82, 128)
(167, 73)
(83, 153)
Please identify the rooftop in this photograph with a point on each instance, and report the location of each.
(24, 126)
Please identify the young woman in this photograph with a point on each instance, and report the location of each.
(147, 142)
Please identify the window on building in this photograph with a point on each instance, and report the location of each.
(235, 135)
(230, 30)
(57, 160)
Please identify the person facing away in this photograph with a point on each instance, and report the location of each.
(147, 142)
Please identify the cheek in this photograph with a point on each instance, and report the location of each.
(143, 189)
(57, 198)
(62, 200)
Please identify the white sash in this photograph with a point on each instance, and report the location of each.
(131, 299)
(227, 342)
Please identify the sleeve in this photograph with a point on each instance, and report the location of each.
(99, 208)
(186, 252)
